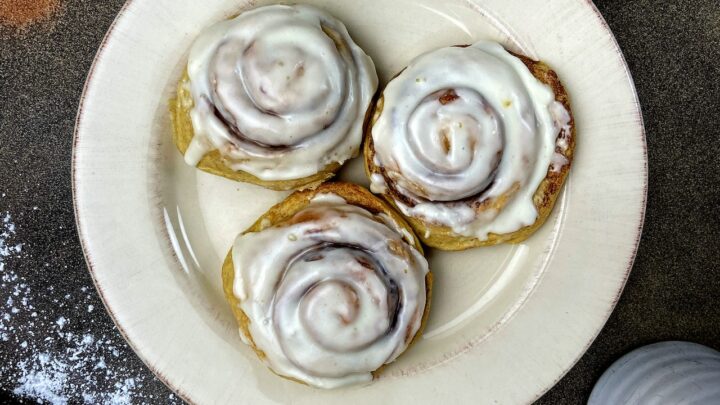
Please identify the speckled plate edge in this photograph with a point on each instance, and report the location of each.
(635, 125)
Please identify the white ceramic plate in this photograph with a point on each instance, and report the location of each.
(507, 322)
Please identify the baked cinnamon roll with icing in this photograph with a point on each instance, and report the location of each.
(328, 286)
(276, 97)
(472, 144)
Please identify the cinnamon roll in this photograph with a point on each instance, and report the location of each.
(328, 286)
(276, 96)
(472, 144)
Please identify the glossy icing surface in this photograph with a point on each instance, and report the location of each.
(467, 135)
(332, 294)
(280, 91)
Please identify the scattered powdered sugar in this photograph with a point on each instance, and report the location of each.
(78, 372)
(46, 376)
(11, 288)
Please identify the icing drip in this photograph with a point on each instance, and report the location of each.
(562, 125)
(279, 91)
(466, 135)
(332, 294)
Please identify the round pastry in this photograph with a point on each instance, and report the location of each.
(276, 96)
(328, 286)
(472, 144)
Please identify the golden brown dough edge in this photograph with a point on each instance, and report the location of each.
(442, 237)
(212, 162)
(354, 195)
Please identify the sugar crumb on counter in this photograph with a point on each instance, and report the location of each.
(58, 359)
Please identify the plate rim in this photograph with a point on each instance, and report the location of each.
(186, 396)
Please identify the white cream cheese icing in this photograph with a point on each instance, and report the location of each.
(460, 126)
(332, 294)
(281, 91)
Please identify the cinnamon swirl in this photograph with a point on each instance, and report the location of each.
(472, 144)
(276, 96)
(328, 286)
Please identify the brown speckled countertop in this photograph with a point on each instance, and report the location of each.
(53, 329)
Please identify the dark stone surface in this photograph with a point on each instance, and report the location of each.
(672, 47)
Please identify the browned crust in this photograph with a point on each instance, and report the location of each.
(442, 237)
(354, 195)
